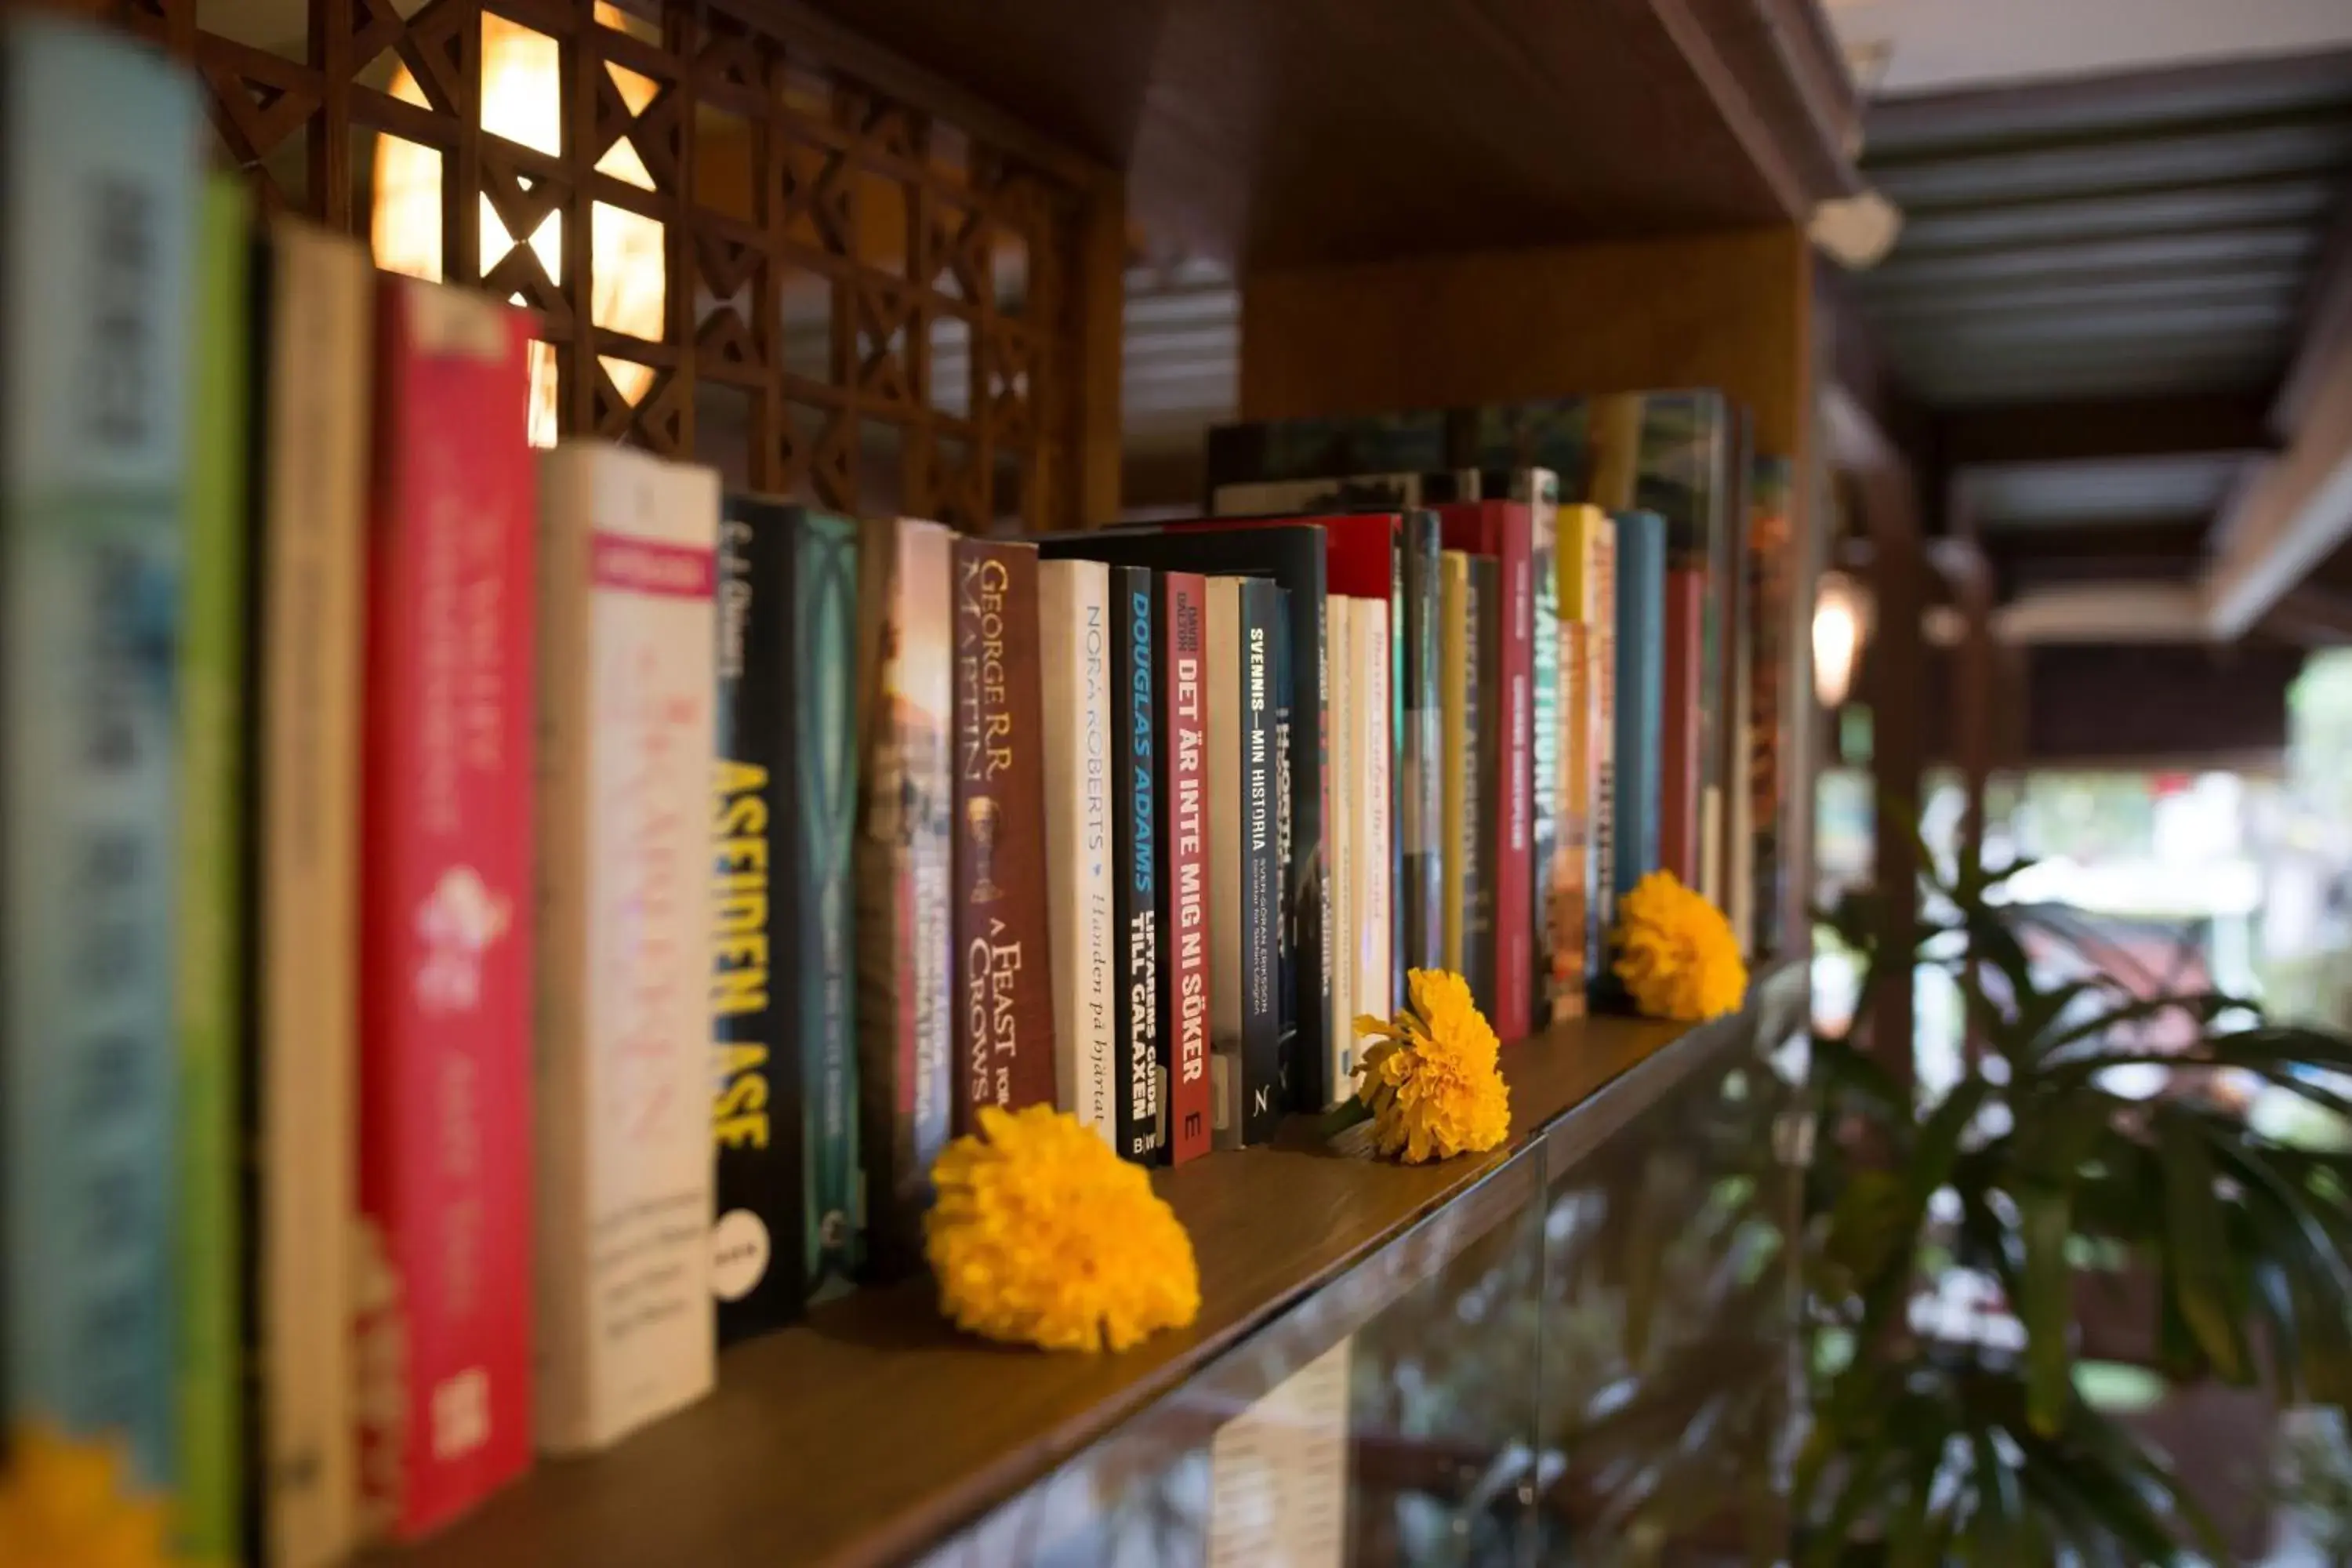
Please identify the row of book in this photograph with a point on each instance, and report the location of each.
(480, 930)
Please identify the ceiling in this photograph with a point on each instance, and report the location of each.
(1902, 48)
(2101, 281)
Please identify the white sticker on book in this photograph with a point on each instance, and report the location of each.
(1278, 1473)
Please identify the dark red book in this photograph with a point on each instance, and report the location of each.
(445, 1104)
(1506, 531)
(1680, 756)
(1179, 633)
(1003, 950)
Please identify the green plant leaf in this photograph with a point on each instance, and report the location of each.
(2046, 1307)
(2202, 1006)
(1993, 1522)
(2199, 1248)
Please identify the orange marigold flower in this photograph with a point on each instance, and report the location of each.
(1430, 1077)
(66, 1503)
(1042, 1235)
(1675, 952)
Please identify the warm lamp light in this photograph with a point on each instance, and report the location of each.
(1841, 625)
(522, 100)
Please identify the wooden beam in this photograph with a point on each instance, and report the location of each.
(2295, 512)
(2312, 616)
(2099, 541)
(1895, 684)
(1914, 122)
(2299, 509)
(2107, 429)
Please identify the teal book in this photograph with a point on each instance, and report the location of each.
(1641, 697)
(214, 744)
(99, 161)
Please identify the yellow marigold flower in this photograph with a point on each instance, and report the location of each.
(64, 1504)
(1430, 1076)
(1042, 1235)
(1675, 952)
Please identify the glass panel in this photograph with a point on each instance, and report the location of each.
(1667, 1334)
(1389, 1420)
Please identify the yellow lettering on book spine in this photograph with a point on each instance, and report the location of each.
(738, 976)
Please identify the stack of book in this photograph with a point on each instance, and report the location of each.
(481, 929)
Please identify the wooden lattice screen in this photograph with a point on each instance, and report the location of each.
(857, 301)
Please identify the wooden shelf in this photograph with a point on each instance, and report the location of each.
(874, 1430)
(1321, 130)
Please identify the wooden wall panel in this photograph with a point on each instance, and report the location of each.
(1730, 309)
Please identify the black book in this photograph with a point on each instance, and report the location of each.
(1292, 557)
(1261, 1054)
(1135, 895)
(1420, 900)
(1483, 748)
(1280, 677)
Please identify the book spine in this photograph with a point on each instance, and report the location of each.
(1290, 1044)
(1340, 839)
(1771, 552)
(1514, 870)
(1456, 752)
(1680, 762)
(824, 760)
(1135, 876)
(99, 171)
(1004, 1000)
(1577, 554)
(311, 586)
(1543, 755)
(1372, 830)
(627, 627)
(1184, 852)
(1572, 887)
(1482, 734)
(1421, 902)
(213, 928)
(1074, 642)
(758, 1128)
(1640, 654)
(1393, 639)
(902, 865)
(1603, 566)
(1263, 1095)
(1314, 897)
(447, 938)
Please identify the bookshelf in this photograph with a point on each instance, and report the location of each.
(874, 1431)
(892, 238)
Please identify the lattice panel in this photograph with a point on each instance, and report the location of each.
(735, 254)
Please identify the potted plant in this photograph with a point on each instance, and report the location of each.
(1930, 1446)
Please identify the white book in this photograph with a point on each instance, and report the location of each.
(627, 680)
(314, 545)
(1338, 625)
(1370, 821)
(1074, 650)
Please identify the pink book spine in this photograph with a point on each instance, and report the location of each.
(1184, 1009)
(446, 921)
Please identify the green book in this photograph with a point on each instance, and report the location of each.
(211, 999)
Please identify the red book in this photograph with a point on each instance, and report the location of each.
(1679, 754)
(445, 1107)
(1506, 531)
(1181, 629)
